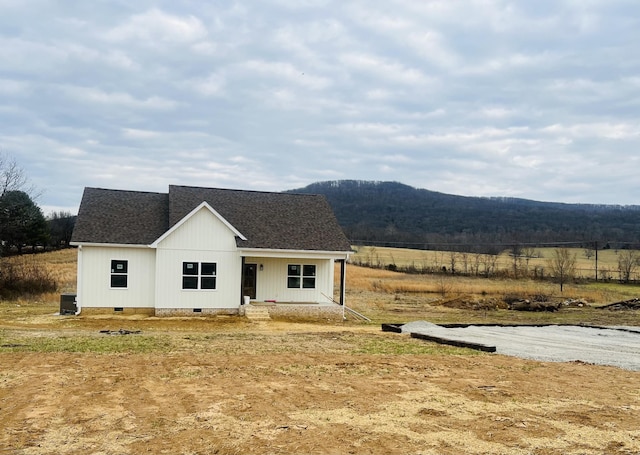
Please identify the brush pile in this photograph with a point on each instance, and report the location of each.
(632, 304)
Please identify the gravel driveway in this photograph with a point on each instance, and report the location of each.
(615, 346)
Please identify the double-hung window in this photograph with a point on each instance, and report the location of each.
(119, 273)
(199, 275)
(301, 276)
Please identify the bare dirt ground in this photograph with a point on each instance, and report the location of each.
(212, 386)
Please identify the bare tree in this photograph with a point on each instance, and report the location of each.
(453, 260)
(516, 255)
(373, 258)
(488, 262)
(438, 262)
(563, 265)
(475, 265)
(528, 253)
(12, 176)
(628, 261)
(465, 259)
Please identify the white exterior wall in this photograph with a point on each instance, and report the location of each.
(271, 282)
(203, 238)
(94, 277)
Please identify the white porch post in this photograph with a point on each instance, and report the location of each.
(79, 277)
(343, 281)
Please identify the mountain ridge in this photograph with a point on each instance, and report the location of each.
(393, 212)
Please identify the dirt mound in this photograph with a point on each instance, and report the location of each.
(470, 303)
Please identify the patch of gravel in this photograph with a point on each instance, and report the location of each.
(615, 346)
(419, 327)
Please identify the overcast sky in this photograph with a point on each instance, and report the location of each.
(533, 99)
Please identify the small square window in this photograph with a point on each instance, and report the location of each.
(118, 281)
(208, 282)
(119, 266)
(208, 268)
(189, 282)
(190, 268)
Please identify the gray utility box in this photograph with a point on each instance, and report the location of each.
(68, 304)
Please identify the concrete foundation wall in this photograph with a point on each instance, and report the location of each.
(125, 311)
(292, 310)
(189, 311)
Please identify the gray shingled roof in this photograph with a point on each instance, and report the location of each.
(267, 220)
(122, 217)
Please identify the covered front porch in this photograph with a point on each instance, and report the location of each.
(293, 277)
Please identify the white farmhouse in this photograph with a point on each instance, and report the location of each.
(205, 250)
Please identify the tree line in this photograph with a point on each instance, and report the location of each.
(23, 226)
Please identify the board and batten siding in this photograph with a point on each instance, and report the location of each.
(201, 238)
(271, 281)
(95, 278)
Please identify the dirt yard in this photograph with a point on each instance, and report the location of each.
(226, 386)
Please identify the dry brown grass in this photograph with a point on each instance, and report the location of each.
(60, 266)
(539, 258)
(63, 266)
(433, 285)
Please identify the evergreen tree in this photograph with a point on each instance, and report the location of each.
(21, 222)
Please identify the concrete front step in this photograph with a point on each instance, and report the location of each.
(254, 313)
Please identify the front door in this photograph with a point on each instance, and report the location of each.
(249, 277)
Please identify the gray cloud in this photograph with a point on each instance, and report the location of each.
(491, 98)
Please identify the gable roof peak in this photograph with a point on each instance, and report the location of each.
(203, 206)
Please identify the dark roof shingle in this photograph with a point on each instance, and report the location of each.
(121, 217)
(267, 220)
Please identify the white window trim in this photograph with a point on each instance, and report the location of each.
(199, 276)
(111, 274)
(302, 276)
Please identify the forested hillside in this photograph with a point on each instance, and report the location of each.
(392, 213)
